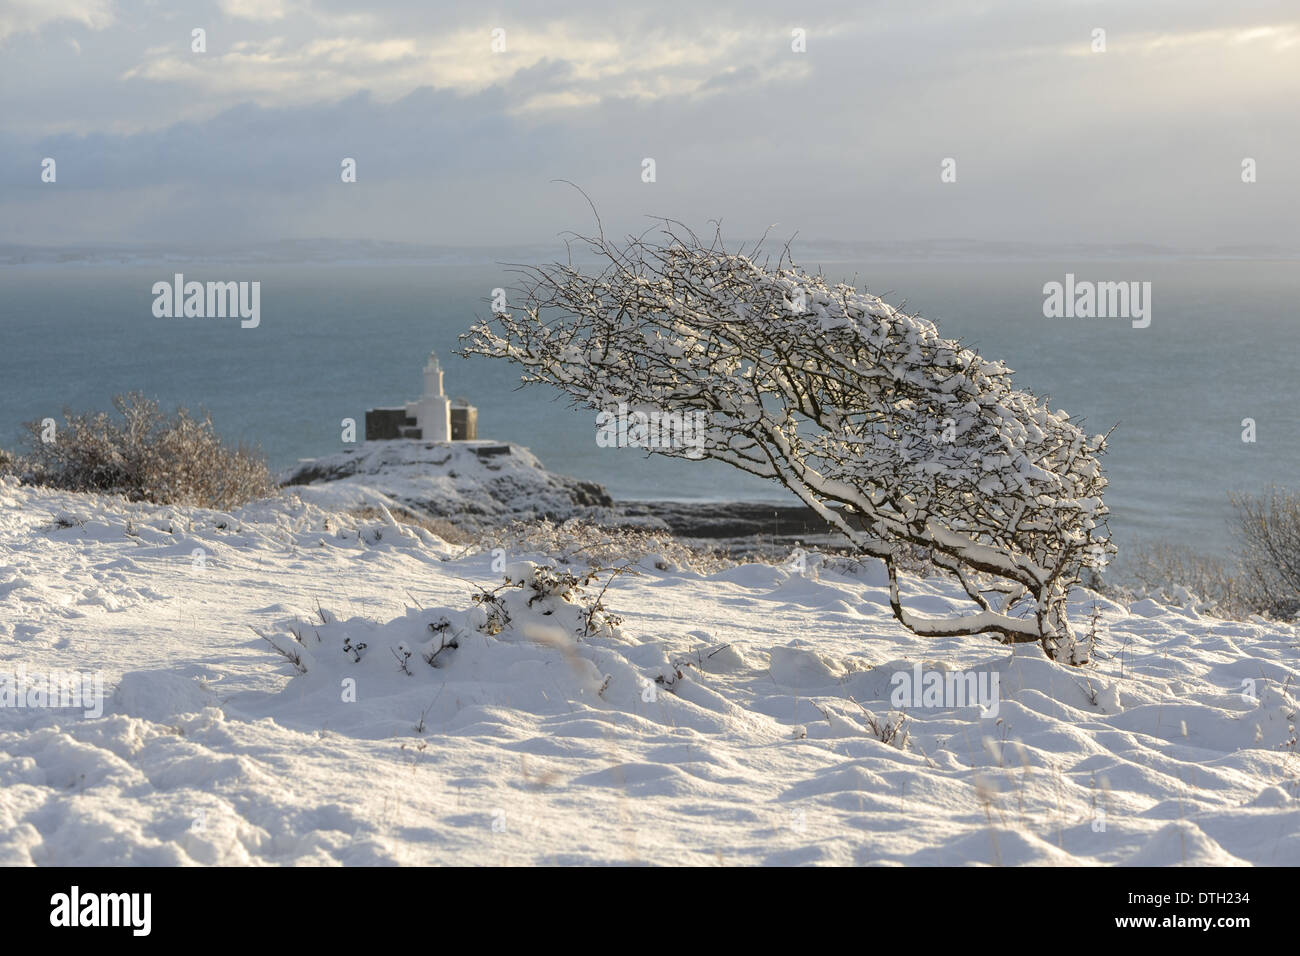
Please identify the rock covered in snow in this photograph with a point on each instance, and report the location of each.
(475, 482)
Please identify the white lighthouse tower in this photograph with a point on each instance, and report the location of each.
(432, 412)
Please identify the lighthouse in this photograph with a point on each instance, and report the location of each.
(432, 417)
(432, 411)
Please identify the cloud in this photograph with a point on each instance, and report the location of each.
(256, 9)
(601, 60)
(456, 142)
(30, 16)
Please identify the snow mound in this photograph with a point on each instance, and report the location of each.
(800, 666)
(1182, 843)
(538, 643)
(160, 695)
(475, 482)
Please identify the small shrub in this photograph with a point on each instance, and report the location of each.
(1263, 579)
(1175, 574)
(531, 590)
(1268, 529)
(441, 527)
(145, 455)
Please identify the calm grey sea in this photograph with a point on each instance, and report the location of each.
(336, 339)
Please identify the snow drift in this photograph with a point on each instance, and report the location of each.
(735, 716)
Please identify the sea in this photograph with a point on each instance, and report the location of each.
(1216, 364)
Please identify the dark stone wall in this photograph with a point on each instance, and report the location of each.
(464, 423)
(388, 423)
(384, 423)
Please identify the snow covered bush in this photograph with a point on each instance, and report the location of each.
(1262, 577)
(1268, 527)
(539, 605)
(1184, 576)
(146, 456)
(552, 590)
(897, 437)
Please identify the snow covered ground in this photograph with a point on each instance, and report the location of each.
(726, 719)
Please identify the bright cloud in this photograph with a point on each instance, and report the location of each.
(27, 16)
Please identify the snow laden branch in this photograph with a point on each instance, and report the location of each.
(895, 436)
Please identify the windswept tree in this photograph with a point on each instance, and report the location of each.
(900, 439)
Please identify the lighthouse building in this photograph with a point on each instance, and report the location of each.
(431, 417)
(432, 411)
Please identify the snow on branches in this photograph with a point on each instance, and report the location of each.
(896, 436)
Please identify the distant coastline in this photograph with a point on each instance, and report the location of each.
(306, 252)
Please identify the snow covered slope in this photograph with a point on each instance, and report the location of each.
(728, 717)
(474, 482)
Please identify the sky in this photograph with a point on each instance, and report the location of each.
(458, 143)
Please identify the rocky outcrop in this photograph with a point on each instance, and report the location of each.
(482, 484)
(470, 483)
